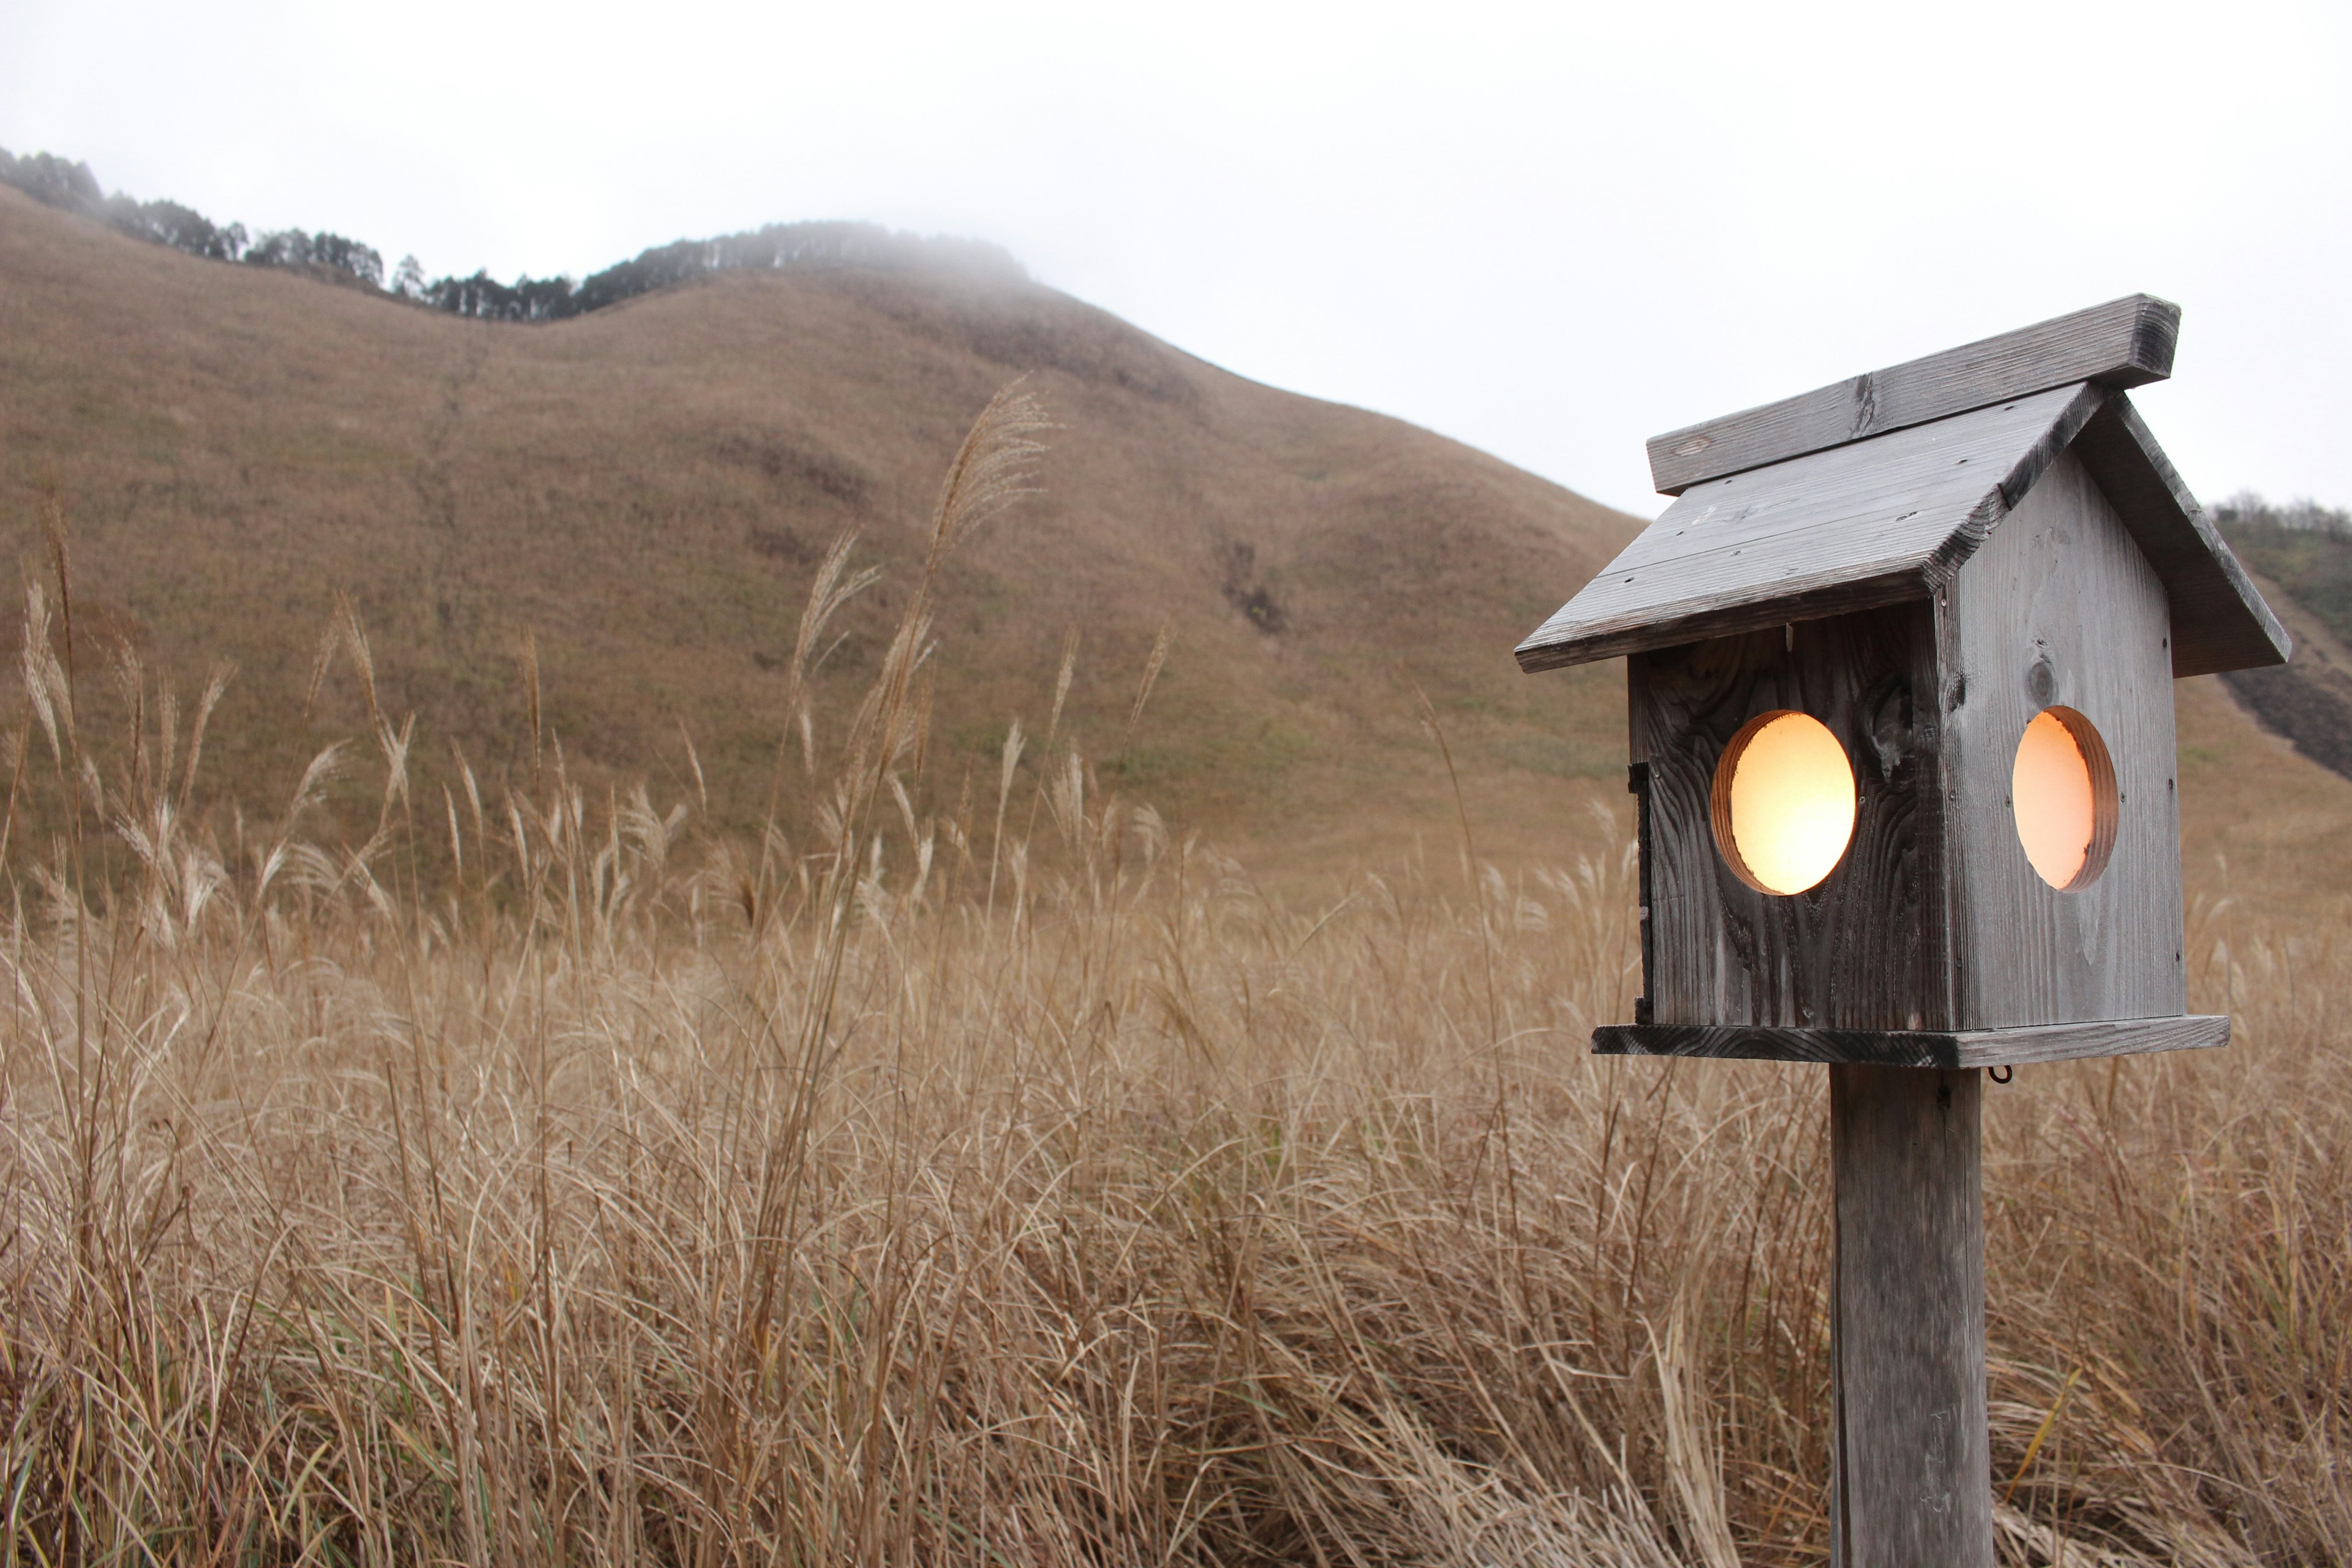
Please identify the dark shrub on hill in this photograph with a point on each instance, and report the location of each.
(182, 228)
(2303, 547)
(777, 246)
(47, 178)
(292, 248)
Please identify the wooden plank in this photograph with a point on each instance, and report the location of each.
(2074, 1042)
(2060, 606)
(2218, 620)
(1911, 1481)
(1734, 1042)
(1949, 1048)
(1716, 559)
(1865, 948)
(1799, 600)
(1943, 464)
(1883, 509)
(2123, 344)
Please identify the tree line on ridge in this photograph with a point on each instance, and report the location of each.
(70, 186)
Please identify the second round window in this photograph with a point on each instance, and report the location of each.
(2062, 792)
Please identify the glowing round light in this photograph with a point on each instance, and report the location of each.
(1784, 802)
(2063, 792)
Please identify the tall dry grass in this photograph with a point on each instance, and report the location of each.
(1014, 1184)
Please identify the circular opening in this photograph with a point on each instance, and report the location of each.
(2063, 793)
(1783, 801)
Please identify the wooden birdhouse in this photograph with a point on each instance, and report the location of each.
(1899, 661)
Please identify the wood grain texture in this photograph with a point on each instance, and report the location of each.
(1948, 1048)
(1857, 526)
(2218, 620)
(1911, 1481)
(2059, 606)
(1864, 948)
(2123, 344)
(1880, 520)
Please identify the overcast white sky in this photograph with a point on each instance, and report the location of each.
(1547, 230)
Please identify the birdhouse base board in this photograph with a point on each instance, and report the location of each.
(1914, 1047)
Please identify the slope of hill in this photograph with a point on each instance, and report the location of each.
(2302, 559)
(2304, 548)
(647, 490)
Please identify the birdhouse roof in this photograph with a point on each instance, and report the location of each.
(1776, 522)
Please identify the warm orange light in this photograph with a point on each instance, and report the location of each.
(2063, 794)
(1788, 801)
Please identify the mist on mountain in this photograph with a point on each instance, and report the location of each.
(64, 183)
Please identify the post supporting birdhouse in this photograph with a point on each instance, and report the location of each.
(1898, 667)
(1911, 1477)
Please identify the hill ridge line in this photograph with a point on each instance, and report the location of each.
(818, 244)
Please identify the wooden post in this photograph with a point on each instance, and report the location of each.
(1912, 1475)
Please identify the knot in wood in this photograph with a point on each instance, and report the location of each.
(2042, 681)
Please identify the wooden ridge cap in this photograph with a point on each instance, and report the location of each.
(2123, 344)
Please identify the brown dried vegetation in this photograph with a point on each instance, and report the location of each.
(1017, 1182)
(645, 491)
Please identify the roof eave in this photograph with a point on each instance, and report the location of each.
(2218, 620)
(1851, 585)
(1833, 594)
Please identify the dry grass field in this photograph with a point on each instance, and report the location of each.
(645, 491)
(1021, 1182)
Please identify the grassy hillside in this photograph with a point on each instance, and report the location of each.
(2301, 549)
(647, 490)
(2302, 560)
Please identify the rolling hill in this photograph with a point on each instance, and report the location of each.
(646, 491)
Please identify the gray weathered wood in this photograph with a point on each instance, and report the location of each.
(1935, 920)
(1893, 518)
(1802, 599)
(1863, 524)
(1865, 948)
(2218, 620)
(1911, 1482)
(2060, 606)
(2123, 344)
(1915, 1049)
(1925, 592)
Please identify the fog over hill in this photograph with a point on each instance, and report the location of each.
(73, 186)
(646, 491)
